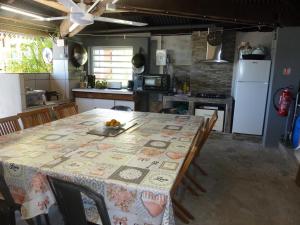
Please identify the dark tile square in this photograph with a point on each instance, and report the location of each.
(173, 127)
(157, 144)
(129, 174)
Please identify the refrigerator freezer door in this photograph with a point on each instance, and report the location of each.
(253, 70)
(250, 106)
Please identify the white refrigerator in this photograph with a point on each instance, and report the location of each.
(250, 94)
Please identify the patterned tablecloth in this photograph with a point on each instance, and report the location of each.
(133, 171)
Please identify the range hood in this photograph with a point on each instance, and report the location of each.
(214, 46)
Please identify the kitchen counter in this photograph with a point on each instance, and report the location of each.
(88, 99)
(49, 104)
(104, 91)
(193, 101)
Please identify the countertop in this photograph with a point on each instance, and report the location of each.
(104, 91)
(227, 100)
(49, 104)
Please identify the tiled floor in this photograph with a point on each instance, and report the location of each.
(247, 185)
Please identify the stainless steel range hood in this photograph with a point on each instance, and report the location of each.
(214, 46)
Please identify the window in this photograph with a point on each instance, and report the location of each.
(112, 63)
(23, 54)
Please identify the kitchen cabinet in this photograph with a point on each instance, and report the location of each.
(129, 104)
(225, 115)
(104, 103)
(86, 104)
(88, 100)
(207, 113)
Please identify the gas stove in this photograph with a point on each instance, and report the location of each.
(210, 95)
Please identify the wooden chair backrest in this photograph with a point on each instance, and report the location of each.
(190, 157)
(213, 121)
(65, 110)
(35, 117)
(205, 130)
(9, 125)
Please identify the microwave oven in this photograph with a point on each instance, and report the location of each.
(152, 82)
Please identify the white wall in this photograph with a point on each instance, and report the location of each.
(10, 95)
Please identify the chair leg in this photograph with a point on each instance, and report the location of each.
(30, 222)
(193, 192)
(204, 173)
(12, 217)
(181, 216)
(199, 186)
(298, 177)
(182, 209)
(47, 219)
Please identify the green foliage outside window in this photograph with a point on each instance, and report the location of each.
(31, 60)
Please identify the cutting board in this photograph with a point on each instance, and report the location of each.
(111, 132)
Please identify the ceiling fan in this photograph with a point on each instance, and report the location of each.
(80, 15)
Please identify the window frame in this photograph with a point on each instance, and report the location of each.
(92, 62)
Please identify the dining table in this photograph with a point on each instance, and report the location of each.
(134, 171)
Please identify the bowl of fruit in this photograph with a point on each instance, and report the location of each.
(113, 124)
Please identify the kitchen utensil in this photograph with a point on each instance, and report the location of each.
(79, 55)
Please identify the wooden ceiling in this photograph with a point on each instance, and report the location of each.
(167, 15)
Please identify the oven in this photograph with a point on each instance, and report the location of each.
(206, 110)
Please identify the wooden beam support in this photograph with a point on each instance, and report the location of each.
(53, 4)
(47, 26)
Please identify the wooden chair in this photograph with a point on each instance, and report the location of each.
(9, 125)
(183, 214)
(209, 125)
(212, 122)
(35, 118)
(65, 110)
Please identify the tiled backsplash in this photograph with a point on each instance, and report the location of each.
(36, 81)
(208, 77)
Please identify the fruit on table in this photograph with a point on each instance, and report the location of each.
(112, 123)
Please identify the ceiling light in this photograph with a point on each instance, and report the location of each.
(19, 11)
(73, 27)
(114, 1)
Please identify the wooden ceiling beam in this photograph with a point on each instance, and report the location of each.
(53, 4)
(41, 25)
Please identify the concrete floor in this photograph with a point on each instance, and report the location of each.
(247, 185)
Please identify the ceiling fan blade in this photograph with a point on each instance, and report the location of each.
(53, 18)
(118, 21)
(71, 5)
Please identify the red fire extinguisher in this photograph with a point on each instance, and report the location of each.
(285, 100)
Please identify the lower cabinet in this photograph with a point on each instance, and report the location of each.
(129, 104)
(104, 103)
(86, 104)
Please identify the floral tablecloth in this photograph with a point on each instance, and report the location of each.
(134, 171)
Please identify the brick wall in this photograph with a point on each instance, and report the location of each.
(209, 77)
